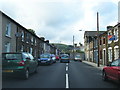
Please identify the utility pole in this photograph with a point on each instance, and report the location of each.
(98, 64)
(73, 48)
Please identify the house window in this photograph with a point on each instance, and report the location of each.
(116, 52)
(8, 29)
(31, 50)
(22, 35)
(7, 47)
(116, 34)
(22, 48)
(27, 38)
(31, 40)
(110, 54)
(35, 42)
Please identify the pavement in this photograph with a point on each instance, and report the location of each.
(93, 64)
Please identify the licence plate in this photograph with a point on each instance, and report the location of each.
(7, 70)
(43, 61)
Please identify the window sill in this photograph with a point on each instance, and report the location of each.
(8, 36)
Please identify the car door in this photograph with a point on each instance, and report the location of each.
(33, 63)
(114, 69)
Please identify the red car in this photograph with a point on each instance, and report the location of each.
(112, 71)
(57, 57)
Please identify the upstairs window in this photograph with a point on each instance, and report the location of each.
(22, 48)
(116, 34)
(23, 35)
(27, 38)
(8, 29)
(32, 40)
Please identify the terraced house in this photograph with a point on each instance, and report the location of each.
(16, 38)
(113, 42)
(91, 45)
(109, 45)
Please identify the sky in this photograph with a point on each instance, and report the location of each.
(59, 20)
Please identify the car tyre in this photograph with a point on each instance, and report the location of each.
(104, 76)
(26, 74)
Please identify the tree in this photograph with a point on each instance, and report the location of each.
(32, 31)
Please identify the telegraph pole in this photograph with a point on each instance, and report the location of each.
(98, 64)
(73, 48)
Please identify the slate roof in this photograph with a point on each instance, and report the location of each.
(92, 33)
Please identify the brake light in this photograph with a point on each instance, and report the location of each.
(22, 63)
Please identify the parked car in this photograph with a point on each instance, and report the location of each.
(53, 58)
(112, 71)
(78, 58)
(64, 58)
(45, 59)
(18, 64)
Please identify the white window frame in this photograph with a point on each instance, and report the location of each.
(22, 48)
(31, 50)
(116, 34)
(110, 54)
(8, 29)
(116, 52)
(32, 40)
(23, 35)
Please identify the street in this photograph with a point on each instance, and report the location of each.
(62, 75)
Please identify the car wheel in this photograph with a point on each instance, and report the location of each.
(36, 70)
(26, 74)
(104, 76)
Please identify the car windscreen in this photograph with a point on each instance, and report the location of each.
(12, 56)
(45, 56)
(77, 56)
(64, 56)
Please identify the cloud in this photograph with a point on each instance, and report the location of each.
(59, 20)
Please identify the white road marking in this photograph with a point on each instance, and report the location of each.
(67, 83)
(66, 68)
(67, 64)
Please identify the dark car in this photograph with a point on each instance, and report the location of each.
(112, 71)
(45, 59)
(18, 64)
(64, 58)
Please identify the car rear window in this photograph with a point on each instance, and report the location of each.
(77, 56)
(45, 56)
(64, 56)
(12, 56)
